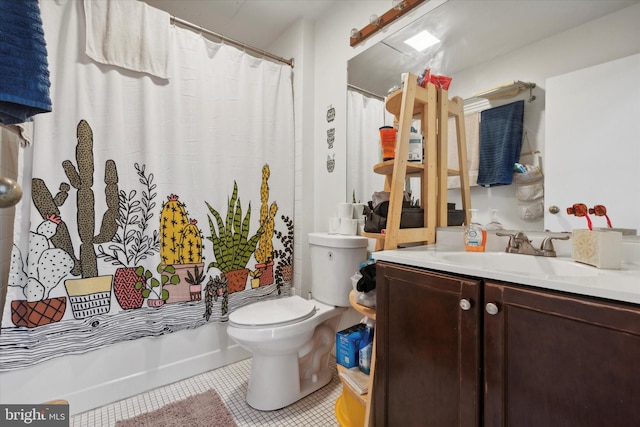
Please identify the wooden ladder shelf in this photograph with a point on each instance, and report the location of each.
(433, 108)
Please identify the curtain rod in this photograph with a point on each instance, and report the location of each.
(176, 20)
(366, 92)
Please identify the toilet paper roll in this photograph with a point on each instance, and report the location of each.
(345, 210)
(348, 226)
(334, 225)
(358, 210)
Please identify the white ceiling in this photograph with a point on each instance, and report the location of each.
(257, 23)
(471, 32)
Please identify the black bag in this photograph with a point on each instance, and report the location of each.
(376, 219)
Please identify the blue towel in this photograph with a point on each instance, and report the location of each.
(500, 143)
(24, 72)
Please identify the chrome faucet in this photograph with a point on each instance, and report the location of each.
(519, 243)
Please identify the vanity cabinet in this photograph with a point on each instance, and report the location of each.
(459, 351)
(427, 360)
(554, 359)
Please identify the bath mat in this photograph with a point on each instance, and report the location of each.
(202, 410)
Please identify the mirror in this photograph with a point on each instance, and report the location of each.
(484, 44)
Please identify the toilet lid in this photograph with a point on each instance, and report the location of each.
(281, 312)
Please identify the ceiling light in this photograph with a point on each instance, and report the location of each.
(422, 40)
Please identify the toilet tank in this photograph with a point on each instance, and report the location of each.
(334, 259)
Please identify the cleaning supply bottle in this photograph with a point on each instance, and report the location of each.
(366, 346)
(415, 146)
(475, 236)
(495, 223)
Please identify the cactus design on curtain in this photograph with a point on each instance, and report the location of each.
(232, 246)
(91, 294)
(81, 178)
(264, 252)
(181, 248)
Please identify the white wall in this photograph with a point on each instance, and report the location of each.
(298, 43)
(576, 124)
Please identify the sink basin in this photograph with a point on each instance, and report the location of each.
(520, 264)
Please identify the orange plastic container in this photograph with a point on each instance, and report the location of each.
(388, 142)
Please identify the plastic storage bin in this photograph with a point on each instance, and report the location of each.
(349, 411)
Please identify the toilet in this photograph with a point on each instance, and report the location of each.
(291, 338)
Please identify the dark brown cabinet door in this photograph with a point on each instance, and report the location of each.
(557, 360)
(427, 367)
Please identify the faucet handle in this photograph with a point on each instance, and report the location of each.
(521, 237)
(547, 245)
(513, 244)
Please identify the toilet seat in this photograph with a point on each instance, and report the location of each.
(278, 312)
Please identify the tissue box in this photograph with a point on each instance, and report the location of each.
(348, 345)
(600, 248)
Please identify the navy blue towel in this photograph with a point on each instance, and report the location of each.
(24, 71)
(500, 143)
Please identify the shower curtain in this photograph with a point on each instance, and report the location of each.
(365, 115)
(150, 205)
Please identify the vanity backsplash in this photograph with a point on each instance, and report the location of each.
(450, 239)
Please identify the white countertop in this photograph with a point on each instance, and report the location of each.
(620, 285)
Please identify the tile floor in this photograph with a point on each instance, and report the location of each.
(230, 382)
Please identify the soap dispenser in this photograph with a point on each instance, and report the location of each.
(475, 236)
(495, 223)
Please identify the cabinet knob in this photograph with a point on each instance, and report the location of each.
(465, 304)
(492, 308)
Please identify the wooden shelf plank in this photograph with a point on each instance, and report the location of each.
(378, 236)
(386, 168)
(394, 101)
(406, 235)
(362, 398)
